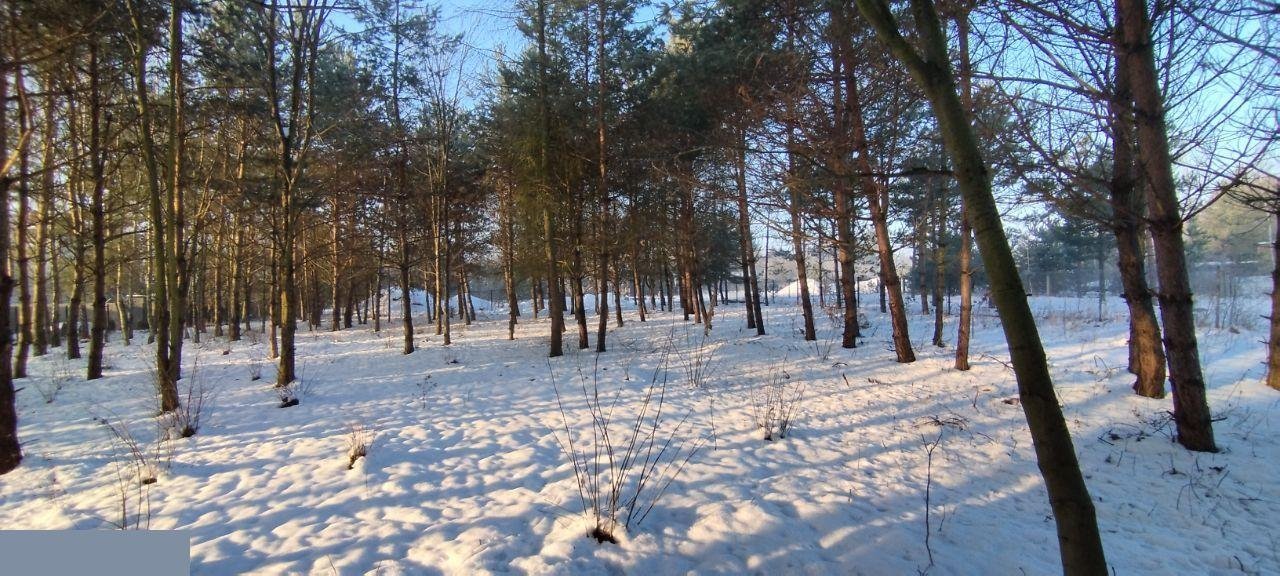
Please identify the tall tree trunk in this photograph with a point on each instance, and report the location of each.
(98, 165)
(1273, 341)
(616, 275)
(556, 310)
(178, 275)
(77, 203)
(964, 326)
(237, 269)
(797, 241)
(639, 286)
(750, 294)
(506, 220)
(25, 335)
(442, 273)
(10, 449)
(878, 205)
(55, 333)
(1079, 542)
(939, 264)
(1146, 351)
(122, 306)
(1190, 406)
(158, 328)
(842, 111)
(43, 239)
(577, 273)
(602, 181)
(336, 261)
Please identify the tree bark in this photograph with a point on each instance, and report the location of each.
(98, 164)
(878, 205)
(10, 449)
(25, 335)
(43, 239)
(964, 325)
(158, 328)
(1273, 341)
(1190, 406)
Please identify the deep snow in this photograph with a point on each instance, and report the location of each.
(465, 474)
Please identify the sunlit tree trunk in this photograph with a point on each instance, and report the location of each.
(1079, 542)
(1190, 406)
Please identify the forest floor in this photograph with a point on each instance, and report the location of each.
(887, 468)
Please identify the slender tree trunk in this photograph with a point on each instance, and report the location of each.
(639, 286)
(43, 239)
(964, 326)
(507, 224)
(336, 261)
(158, 328)
(1079, 542)
(98, 164)
(178, 275)
(548, 228)
(10, 449)
(122, 307)
(616, 276)
(55, 308)
(25, 322)
(237, 269)
(579, 301)
(878, 206)
(939, 265)
(1273, 341)
(797, 237)
(1190, 406)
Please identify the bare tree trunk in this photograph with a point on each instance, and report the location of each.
(1190, 406)
(336, 261)
(579, 300)
(237, 269)
(797, 241)
(939, 265)
(616, 275)
(98, 164)
(507, 229)
(1273, 341)
(965, 324)
(122, 307)
(25, 335)
(10, 449)
(176, 270)
(1079, 542)
(43, 239)
(639, 286)
(158, 327)
(878, 205)
(548, 229)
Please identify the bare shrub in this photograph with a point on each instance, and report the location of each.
(623, 468)
(292, 393)
(287, 393)
(185, 421)
(359, 439)
(193, 396)
(255, 371)
(699, 362)
(136, 469)
(774, 405)
(62, 374)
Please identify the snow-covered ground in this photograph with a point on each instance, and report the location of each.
(466, 473)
